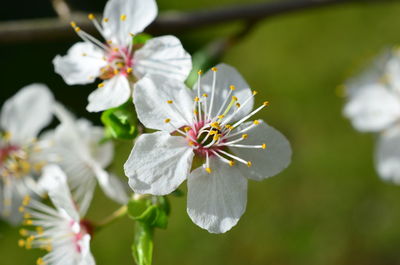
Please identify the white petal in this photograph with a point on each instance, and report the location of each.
(393, 71)
(373, 108)
(225, 77)
(26, 113)
(387, 157)
(115, 92)
(265, 162)
(81, 65)
(87, 257)
(158, 163)
(150, 96)
(216, 201)
(138, 15)
(164, 56)
(111, 185)
(54, 181)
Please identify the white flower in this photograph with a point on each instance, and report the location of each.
(119, 61)
(23, 116)
(77, 150)
(374, 106)
(208, 125)
(59, 231)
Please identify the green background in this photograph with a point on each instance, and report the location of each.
(328, 207)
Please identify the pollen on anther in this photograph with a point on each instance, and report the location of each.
(84, 54)
(169, 101)
(196, 99)
(231, 163)
(73, 24)
(40, 261)
(23, 232)
(234, 98)
(245, 136)
(263, 146)
(129, 70)
(266, 103)
(214, 69)
(187, 128)
(100, 85)
(255, 92)
(256, 122)
(77, 29)
(123, 17)
(208, 170)
(21, 209)
(199, 72)
(105, 20)
(249, 164)
(21, 243)
(91, 16)
(232, 87)
(221, 116)
(205, 95)
(26, 200)
(167, 120)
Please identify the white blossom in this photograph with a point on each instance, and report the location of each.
(204, 136)
(59, 230)
(373, 105)
(23, 116)
(119, 61)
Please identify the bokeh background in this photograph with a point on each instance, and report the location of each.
(328, 207)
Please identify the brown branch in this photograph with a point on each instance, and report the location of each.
(51, 29)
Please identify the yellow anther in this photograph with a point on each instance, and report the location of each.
(170, 101)
(195, 112)
(129, 70)
(123, 17)
(187, 128)
(216, 137)
(215, 125)
(249, 164)
(214, 69)
(40, 261)
(191, 143)
(232, 87)
(196, 99)
(25, 166)
(255, 92)
(21, 243)
(228, 126)
(73, 24)
(26, 200)
(116, 49)
(234, 98)
(23, 232)
(39, 230)
(30, 238)
(91, 16)
(48, 248)
(213, 132)
(205, 95)
(7, 136)
(208, 170)
(256, 122)
(131, 34)
(109, 42)
(167, 120)
(39, 166)
(266, 103)
(84, 54)
(77, 29)
(245, 136)
(231, 163)
(27, 222)
(27, 215)
(105, 20)
(238, 105)
(263, 146)
(116, 71)
(100, 85)
(221, 116)
(200, 72)
(21, 209)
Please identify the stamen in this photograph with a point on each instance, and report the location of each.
(123, 17)
(233, 156)
(266, 103)
(214, 69)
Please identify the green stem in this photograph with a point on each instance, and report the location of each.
(119, 213)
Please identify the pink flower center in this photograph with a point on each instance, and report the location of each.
(6, 151)
(120, 61)
(204, 143)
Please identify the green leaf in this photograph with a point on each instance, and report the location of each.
(142, 247)
(141, 38)
(120, 122)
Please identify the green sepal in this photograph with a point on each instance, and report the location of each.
(152, 214)
(142, 247)
(141, 38)
(120, 122)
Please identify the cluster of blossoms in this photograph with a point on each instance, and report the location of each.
(206, 135)
(374, 106)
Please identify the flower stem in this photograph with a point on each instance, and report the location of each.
(119, 213)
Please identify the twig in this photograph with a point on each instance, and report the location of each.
(62, 9)
(51, 29)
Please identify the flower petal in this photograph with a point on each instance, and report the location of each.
(86, 255)
(111, 185)
(26, 113)
(151, 95)
(115, 92)
(265, 162)
(216, 201)
(225, 77)
(372, 108)
(164, 56)
(387, 156)
(81, 65)
(54, 181)
(158, 163)
(126, 17)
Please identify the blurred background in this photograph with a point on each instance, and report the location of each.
(329, 207)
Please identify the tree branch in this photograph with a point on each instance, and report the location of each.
(54, 29)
